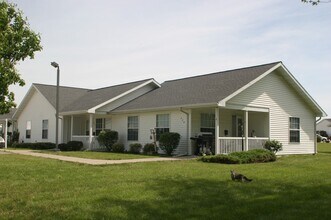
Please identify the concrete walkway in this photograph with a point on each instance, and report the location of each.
(94, 161)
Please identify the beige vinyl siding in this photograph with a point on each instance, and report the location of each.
(283, 102)
(147, 121)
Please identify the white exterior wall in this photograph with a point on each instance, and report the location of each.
(324, 125)
(283, 102)
(36, 110)
(178, 123)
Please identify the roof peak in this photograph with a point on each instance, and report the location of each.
(70, 87)
(107, 87)
(225, 71)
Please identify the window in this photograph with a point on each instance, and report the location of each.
(133, 128)
(99, 125)
(45, 129)
(28, 130)
(162, 125)
(207, 122)
(294, 130)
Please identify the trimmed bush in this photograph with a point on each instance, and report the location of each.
(118, 148)
(319, 139)
(71, 146)
(220, 158)
(135, 148)
(75, 145)
(273, 146)
(149, 148)
(251, 156)
(107, 138)
(35, 146)
(169, 142)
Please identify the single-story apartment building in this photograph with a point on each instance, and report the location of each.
(240, 109)
(324, 125)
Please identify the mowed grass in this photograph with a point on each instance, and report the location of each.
(293, 187)
(98, 155)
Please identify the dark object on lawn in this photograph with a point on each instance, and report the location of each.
(239, 177)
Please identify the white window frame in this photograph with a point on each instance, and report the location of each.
(161, 125)
(133, 126)
(295, 129)
(44, 129)
(98, 128)
(208, 124)
(28, 128)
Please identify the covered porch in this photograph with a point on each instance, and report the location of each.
(85, 128)
(234, 128)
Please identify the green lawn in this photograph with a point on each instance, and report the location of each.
(98, 155)
(293, 187)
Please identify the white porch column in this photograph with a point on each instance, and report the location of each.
(71, 126)
(217, 131)
(6, 133)
(189, 132)
(246, 130)
(90, 131)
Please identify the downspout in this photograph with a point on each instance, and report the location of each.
(187, 127)
(315, 139)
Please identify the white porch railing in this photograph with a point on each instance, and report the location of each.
(85, 139)
(234, 144)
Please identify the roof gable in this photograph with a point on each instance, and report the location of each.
(205, 89)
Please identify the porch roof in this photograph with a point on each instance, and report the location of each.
(203, 89)
(8, 115)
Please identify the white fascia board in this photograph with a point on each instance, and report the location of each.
(222, 103)
(247, 108)
(303, 90)
(92, 110)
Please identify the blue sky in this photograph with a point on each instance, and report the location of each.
(102, 43)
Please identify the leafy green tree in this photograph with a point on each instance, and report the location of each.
(315, 2)
(17, 42)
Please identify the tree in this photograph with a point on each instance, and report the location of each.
(315, 2)
(17, 42)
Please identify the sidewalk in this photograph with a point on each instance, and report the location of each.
(93, 161)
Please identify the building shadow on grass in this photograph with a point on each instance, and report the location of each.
(206, 199)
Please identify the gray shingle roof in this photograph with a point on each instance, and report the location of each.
(67, 94)
(95, 97)
(204, 89)
(8, 115)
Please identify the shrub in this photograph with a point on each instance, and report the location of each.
(135, 148)
(251, 156)
(319, 139)
(107, 138)
(169, 142)
(220, 158)
(71, 146)
(149, 148)
(75, 145)
(273, 146)
(35, 146)
(118, 148)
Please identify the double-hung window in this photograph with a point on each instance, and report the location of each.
(44, 129)
(207, 122)
(99, 125)
(294, 130)
(162, 125)
(133, 127)
(28, 130)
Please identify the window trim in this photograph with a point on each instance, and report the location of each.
(103, 125)
(133, 128)
(44, 135)
(294, 129)
(28, 136)
(163, 128)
